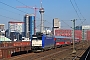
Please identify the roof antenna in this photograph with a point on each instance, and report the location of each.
(41, 3)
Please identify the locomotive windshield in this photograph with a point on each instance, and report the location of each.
(34, 38)
(40, 37)
(37, 37)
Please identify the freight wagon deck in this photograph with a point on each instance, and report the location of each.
(64, 53)
(8, 48)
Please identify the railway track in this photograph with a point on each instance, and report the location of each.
(63, 53)
(80, 51)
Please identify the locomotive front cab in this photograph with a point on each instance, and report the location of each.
(36, 43)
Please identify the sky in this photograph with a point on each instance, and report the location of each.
(65, 10)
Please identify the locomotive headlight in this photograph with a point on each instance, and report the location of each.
(33, 44)
(40, 44)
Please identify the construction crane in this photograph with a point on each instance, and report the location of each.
(41, 10)
(35, 10)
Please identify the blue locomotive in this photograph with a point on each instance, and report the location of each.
(42, 42)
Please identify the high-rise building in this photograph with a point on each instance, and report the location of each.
(85, 29)
(14, 29)
(78, 28)
(56, 25)
(29, 25)
(15, 26)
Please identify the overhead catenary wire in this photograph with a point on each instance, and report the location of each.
(82, 22)
(76, 13)
(80, 14)
(75, 9)
(11, 11)
(21, 2)
(9, 17)
(44, 14)
(62, 21)
(66, 23)
(24, 12)
(35, 9)
(13, 7)
(25, 5)
(79, 9)
(44, 21)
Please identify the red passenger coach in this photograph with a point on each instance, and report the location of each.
(62, 40)
(88, 35)
(78, 34)
(68, 40)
